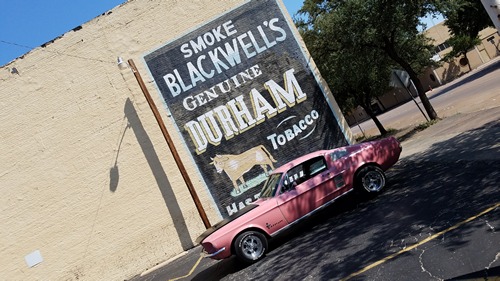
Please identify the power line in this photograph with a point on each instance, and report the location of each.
(15, 44)
(54, 52)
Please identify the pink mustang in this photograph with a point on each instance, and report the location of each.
(297, 189)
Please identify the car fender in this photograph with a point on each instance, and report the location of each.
(249, 228)
(265, 218)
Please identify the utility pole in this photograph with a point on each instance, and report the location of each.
(493, 9)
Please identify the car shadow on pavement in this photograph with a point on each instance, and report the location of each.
(484, 275)
(220, 270)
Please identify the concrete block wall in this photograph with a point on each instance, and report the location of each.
(85, 174)
(477, 56)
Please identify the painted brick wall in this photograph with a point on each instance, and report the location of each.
(85, 174)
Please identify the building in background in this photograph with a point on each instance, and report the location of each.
(434, 77)
(90, 189)
(479, 55)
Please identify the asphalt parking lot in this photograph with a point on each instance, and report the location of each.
(438, 219)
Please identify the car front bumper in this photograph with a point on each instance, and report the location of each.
(205, 254)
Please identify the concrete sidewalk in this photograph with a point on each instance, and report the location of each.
(450, 127)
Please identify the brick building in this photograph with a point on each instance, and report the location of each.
(90, 189)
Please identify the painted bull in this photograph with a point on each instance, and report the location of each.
(236, 166)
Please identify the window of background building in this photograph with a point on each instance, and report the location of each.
(441, 47)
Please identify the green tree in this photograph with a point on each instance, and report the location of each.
(360, 80)
(465, 19)
(357, 76)
(461, 44)
(390, 26)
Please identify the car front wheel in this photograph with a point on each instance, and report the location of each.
(370, 179)
(250, 246)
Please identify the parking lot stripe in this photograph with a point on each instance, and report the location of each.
(190, 272)
(377, 263)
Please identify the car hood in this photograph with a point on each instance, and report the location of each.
(225, 221)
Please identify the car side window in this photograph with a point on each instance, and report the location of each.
(294, 176)
(337, 154)
(303, 172)
(316, 166)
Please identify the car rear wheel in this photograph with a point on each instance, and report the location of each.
(250, 246)
(370, 180)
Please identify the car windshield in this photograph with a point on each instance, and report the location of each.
(271, 185)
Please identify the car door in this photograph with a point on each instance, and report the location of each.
(322, 180)
(291, 202)
(341, 169)
(304, 188)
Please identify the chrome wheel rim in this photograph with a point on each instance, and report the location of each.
(373, 181)
(252, 247)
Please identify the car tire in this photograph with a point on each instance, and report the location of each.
(370, 180)
(250, 246)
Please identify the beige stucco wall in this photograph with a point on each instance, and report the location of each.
(85, 174)
(477, 56)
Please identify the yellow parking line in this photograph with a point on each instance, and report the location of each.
(375, 264)
(191, 271)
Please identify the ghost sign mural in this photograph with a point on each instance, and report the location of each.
(244, 98)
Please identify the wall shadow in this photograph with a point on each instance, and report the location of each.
(477, 74)
(114, 173)
(452, 72)
(159, 174)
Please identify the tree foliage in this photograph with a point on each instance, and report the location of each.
(461, 44)
(465, 19)
(358, 76)
(389, 28)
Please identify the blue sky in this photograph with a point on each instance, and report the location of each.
(27, 24)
